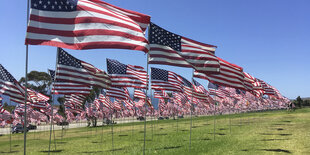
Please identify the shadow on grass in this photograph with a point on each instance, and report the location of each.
(54, 151)
(287, 121)
(91, 152)
(122, 135)
(206, 124)
(205, 139)
(277, 150)
(9, 152)
(161, 134)
(184, 130)
(268, 134)
(221, 134)
(141, 140)
(169, 147)
(118, 149)
(273, 139)
(61, 142)
(222, 128)
(245, 150)
(15, 145)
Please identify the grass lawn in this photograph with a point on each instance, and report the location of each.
(274, 132)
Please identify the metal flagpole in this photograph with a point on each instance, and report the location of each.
(26, 85)
(214, 117)
(52, 111)
(147, 71)
(111, 113)
(191, 109)
(147, 84)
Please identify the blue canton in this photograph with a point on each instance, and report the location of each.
(5, 75)
(115, 67)
(54, 5)
(66, 59)
(163, 37)
(159, 74)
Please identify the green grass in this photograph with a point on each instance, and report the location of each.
(275, 132)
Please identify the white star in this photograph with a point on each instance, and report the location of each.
(40, 2)
(35, 5)
(48, 2)
(44, 6)
(53, 7)
(59, 7)
(56, 2)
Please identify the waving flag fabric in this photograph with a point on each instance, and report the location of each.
(68, 88)
(117, 92)
(230, 75)
(139, 93)
(248, 81)
(85, 24)
(73, 70)
(10, 87)
(161, 94)
(126, 75)
(268, 90)
(171, 49)
(165, 80)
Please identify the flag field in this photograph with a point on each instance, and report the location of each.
(284, 132)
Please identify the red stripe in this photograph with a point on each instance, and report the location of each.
(90, 45)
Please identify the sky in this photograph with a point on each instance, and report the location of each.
(269, 39)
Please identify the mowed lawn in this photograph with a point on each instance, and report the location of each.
(274, 132)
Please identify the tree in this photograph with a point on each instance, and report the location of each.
(38, 81)
(299, 101)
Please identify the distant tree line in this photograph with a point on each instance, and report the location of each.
(299, 102)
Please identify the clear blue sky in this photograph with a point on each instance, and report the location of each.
(270, 39)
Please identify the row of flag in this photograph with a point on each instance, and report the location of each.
(94, 24)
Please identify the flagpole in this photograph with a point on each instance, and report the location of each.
(214, 117)
(146, 90)
(26, 85)
(191, 109)
(52, 103)
(147, 87)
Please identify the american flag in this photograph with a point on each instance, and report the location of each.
(10, 87)
(171, 49)
(248, 81)
(73, 70)
(139, 93)
(180, 98)
(126, 75)
(268, 89)
(190, 91)
(105, 100)
(258, 89)
(165, 80)
(97, 104)
(68, 88)
(117, 92)
(230, 75)
(35, 100)
(75, 99)
(86, 24)
(161, 94)
(118, 104)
